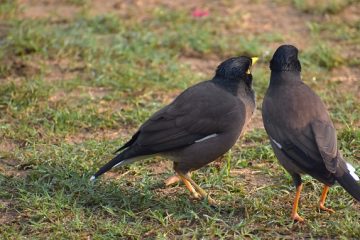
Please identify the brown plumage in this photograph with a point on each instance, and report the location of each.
(199, 126)
(301, 132)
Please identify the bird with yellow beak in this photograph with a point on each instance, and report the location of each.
(198, 127)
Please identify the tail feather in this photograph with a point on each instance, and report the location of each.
(129, 143)
(349, 183)
(115, 161)
(127, 156)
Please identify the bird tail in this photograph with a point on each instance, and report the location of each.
(349, 181)
(124, 158)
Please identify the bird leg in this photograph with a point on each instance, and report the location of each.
(323, 198)
(172, 180)
(199, 190)
(294, 214)
(188, 185)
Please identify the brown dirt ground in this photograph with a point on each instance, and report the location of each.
(12, 167)
(7, 145)
(252, 179)
(7, 213)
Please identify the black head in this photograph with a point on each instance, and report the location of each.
(285, 59)
(234, 69)
(230, 73)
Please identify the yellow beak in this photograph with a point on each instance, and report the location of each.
(253, 60)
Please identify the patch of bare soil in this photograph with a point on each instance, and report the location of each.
(23, 68)
(12, 168)
(256, 121)
(160, 166)
(267, 17)
(7, 213)
(7, 145)
(350, 15)
(253, 180)
(62, 69)
(49, 9)
(98, 135)
(4, 28)
(53, 70)
(18, 69)
(199, 65)
(349, 79)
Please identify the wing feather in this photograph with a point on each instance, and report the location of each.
(325, 136)
(196, 113)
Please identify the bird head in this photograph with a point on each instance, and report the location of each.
(236, 69)
(285, 59)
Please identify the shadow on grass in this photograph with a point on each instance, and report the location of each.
(53, 189)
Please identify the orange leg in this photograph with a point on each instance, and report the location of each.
(294, 214)
(189, 182)
(323, 198)
(173, 179)
(189, 186)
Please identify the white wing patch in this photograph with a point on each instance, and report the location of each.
(130, 160)
(276, 143)
(352, 171)
(92, 178)
(206, 138)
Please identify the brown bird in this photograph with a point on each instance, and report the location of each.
(301, 132)
(198, 127)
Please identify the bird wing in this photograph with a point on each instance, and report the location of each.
(196, 113)
(309, 147)
(325, 137)
(297, 145)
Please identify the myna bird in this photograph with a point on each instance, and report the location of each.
(198, 127)
(301, 132)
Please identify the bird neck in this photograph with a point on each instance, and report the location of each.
(235, 87)
(240, 89)
(227, 85)
(277, 78)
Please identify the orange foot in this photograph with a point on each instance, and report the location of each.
(322, 207)
(172, 180)
(297, 218)
(211, 201)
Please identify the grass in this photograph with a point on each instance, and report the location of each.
(72, 91)
(322, 6)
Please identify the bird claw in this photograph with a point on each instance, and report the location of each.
(196, 195)
(211, 201)
(297, 218)
(171, 180)
(322, 207)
